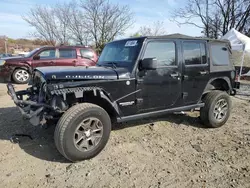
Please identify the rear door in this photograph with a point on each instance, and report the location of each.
(47, 58)
(195, 70)
(66, 57)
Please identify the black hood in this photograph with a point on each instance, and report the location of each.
(83, 73)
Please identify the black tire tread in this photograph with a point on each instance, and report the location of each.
(64, 121)
(208, 100)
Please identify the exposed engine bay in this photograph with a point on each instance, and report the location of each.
(35, 103)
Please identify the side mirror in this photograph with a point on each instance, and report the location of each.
(149, 64)
(36, 57)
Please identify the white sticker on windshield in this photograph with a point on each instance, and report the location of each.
(131, 43)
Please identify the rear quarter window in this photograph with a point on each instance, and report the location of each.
(219, 54)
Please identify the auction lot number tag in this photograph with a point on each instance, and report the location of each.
(131, 43)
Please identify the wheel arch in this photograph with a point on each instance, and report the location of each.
(101, 98)
(25, 67)
(221, 83)
(94, 95)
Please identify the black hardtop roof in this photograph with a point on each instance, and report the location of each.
(180, 36)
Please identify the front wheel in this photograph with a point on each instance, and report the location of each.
(82, 132)
(21, 76)
(217, 109)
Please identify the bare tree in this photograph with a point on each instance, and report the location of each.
(215, 17)
(193, 10)
(77, 28)
(155, 30)
(96, 21)
(51, 23)
(105, 21)
(63, 13)
(235, 14)
(42, 18)
(247, 31)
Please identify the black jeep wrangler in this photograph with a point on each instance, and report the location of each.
(134, 78)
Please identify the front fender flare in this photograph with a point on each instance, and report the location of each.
(79, 91)
(104, 95)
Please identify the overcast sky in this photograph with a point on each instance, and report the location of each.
(146, 12)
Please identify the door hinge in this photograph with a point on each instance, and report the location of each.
(184, 95)
(139, 101)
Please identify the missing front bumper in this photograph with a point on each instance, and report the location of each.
(29, 109)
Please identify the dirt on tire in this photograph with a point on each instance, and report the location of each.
(169, 151)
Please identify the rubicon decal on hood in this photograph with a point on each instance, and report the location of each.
(82, 73)
(84, 76)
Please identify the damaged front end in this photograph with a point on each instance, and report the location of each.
(36, 104)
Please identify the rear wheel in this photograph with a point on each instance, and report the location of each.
(82, 132)
(217, 109)
(21, 76)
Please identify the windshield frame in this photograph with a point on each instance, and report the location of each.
(122, 64)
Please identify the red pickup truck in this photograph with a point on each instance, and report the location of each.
(19, 69)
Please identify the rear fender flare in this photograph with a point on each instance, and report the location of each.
(210, 87)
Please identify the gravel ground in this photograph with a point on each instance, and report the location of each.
(244, 91)
(171, 151)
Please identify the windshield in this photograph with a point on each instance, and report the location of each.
(30, 54)
(121, 53)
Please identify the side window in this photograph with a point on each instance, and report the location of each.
(164, 51)
(48, 54)
(87, 53)
(219, 54)
(67, 53)
(194, 53)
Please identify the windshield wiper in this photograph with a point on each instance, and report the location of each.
(113, 64)
(88, 59)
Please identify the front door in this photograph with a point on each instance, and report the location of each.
(47, 58)
(160, 88)
(196, 70)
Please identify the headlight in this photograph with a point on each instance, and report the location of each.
(2, 62)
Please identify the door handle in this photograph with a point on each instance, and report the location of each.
(174, 75)
(203, 72)
(185, 77)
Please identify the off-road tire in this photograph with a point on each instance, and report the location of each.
(207, 112)
(64, 132)
(18, 81)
